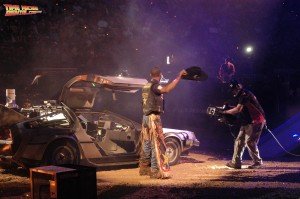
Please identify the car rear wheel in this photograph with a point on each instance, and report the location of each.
(173, 150)
(61, 152)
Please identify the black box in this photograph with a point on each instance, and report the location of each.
(65, 181)
(53, 182)
(87, 180)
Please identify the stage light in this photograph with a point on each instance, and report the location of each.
(168, 60)
(248, 49)
(296, 136)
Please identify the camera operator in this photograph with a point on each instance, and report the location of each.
(252, 123)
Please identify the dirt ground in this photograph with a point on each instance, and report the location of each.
(197, 176)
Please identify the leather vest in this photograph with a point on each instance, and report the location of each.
(152, 103)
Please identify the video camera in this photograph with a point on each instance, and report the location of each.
(218, 112)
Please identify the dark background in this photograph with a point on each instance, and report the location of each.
(109, 37)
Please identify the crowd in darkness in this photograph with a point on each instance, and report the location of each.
(69, 34)
(95, 33)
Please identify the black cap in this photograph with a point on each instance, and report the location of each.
(233, 84)
(236, 88)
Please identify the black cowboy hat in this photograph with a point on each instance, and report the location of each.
(195, 73)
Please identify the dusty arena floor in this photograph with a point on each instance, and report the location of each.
(197, 176)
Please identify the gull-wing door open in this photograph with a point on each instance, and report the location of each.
(80, 91)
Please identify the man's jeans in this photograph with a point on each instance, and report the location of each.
(148, 155)
(248, 136)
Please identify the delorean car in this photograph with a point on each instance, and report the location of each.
(69, 132)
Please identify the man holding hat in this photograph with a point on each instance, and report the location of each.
(153, 161)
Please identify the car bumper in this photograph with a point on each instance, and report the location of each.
(196, 142)
(193, 142)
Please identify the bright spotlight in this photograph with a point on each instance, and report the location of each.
(168, 60)
(248, 49)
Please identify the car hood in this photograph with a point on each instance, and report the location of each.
(190, 134)
(80, 91)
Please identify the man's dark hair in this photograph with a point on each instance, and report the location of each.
(155, 72)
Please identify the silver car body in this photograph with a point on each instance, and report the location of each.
(29, 145)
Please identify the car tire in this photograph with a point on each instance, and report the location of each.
(61, 152)
(173, 150)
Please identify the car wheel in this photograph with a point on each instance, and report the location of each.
(61, 152)
(173, 150)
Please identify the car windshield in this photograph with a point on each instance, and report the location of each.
(56, 119)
